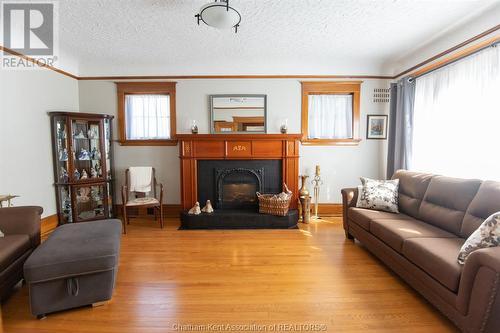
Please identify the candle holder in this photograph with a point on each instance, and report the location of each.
(317, 182)
(194, 127)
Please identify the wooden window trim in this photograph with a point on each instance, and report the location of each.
(131, 88)
(331, 88)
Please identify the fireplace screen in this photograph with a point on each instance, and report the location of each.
(236, 188)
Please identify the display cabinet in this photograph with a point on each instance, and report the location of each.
(83, 166)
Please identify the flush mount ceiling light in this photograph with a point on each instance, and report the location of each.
(219, 14)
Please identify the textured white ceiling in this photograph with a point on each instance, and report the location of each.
(161, 37)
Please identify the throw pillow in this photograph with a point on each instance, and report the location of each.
(487, 235)
(378, 194)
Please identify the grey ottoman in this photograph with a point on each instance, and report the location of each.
(75, 266)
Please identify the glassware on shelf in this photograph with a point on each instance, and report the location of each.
(61, 131)
(93, 133)
(80, 135)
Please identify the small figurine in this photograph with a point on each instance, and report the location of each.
(64, 175)
(91, 133)
(95, 154)
(61, 133)
(63, 155)
(84, 174)
(195, 210)
(93, 173)
(76, 174)
(84, 155)
(80, 135)
(208, 208)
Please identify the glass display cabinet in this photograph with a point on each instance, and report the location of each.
(83, 166)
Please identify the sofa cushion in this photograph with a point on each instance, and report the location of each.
(363, 216)
(11, 248)
(485, 203)
(437, 257)
(446, 201)
(76, 249)
(395, 231)
(412, 188)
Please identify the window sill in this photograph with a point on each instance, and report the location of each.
(330, 142)
(171, 142)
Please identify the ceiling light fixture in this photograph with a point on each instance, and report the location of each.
(219, 14)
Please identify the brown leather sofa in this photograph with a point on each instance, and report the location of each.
(422, 242)
(21, 226)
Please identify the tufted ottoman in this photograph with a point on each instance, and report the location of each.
(75, 266)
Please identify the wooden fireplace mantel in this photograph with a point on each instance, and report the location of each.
(194, 147)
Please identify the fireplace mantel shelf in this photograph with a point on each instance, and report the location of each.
(194, 147)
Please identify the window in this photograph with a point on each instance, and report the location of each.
(146, 113)
(330, 113)
(456, 118)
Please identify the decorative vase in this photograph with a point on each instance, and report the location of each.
(305, 202)
(304, 192)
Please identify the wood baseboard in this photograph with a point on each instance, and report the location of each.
(48, 224)
(330, 209)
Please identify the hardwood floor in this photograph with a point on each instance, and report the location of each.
(262, 277)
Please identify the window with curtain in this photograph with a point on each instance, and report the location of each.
(146, 113)
(457, 118)
(330, 117)
(148, 117)
(330, 112)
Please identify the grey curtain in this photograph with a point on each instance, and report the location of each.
(400, 125)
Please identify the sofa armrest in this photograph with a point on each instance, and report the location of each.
(349, 199)
(24, 220)
(479, 293)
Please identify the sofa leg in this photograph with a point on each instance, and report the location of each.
(97, 304)
(41, 316)
(348, 235)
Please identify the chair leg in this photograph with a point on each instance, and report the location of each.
(125, 219)
(161, 217)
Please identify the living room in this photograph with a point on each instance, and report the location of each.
(250, 166)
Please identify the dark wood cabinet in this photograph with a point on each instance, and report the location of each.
(83, 165)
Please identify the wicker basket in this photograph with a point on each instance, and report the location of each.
(273, 205)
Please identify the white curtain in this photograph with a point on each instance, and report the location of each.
(148, 117)
(330, 116)
(457, 118)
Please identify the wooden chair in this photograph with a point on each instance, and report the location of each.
(140, 199)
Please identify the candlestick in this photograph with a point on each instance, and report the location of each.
(317, 182)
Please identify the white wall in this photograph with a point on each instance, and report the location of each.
(341, 166)
(25, 149)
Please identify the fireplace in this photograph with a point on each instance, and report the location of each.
(232, 184)
(236, 187)
(228, 170)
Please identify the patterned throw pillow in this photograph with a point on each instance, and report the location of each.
(378, 195)
(487, 235)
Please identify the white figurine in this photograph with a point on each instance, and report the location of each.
(208, 208)
(93, 173)
(84, 174)
(195, 210)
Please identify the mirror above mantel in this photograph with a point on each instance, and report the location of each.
(238, 114)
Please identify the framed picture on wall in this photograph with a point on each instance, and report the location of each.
(376, 127)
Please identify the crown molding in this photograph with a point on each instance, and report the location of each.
(208, 77)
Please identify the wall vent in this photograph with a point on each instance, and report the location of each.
(381, 95)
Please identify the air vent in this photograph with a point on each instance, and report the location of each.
(381, 95)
